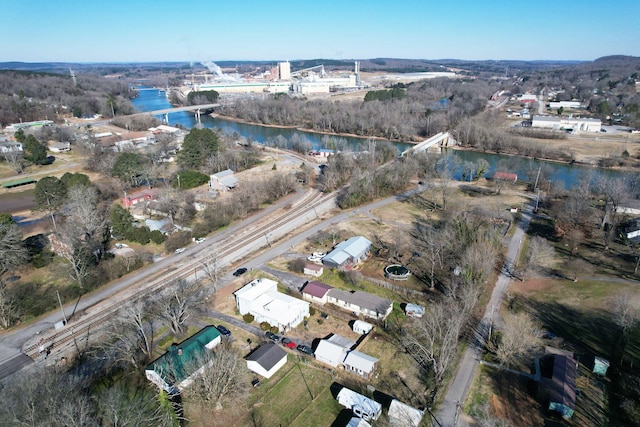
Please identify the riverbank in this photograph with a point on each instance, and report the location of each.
(306, 130)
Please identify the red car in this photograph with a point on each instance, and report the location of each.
(288, 343)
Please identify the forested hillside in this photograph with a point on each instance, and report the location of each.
(27, 96)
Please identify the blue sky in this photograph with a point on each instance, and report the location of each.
(164, 30)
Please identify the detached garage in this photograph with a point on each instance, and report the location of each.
(266, 360)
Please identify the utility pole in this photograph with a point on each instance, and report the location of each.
(61, 307)
(537, 177)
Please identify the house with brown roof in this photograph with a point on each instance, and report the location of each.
(312, 269)
(559, 372)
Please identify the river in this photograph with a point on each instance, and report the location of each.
(150, 99)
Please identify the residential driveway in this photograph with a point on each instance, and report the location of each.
(290, 280)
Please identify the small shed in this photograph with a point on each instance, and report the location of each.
(600, 366)
(361, 327)
(414, 310)
(312, 269)
(361, 406)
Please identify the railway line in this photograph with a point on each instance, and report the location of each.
(79, 329)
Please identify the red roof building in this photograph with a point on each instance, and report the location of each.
(316, 292)
(139, 196)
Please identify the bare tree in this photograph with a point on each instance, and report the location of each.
(15, 159)
(12, 252)
(222, 378)
(433, 339)
(181, 300)
(45, 397)
(129, 337)
(211, 266)
(541, 254)
(626, 310)
(9, 308)
(130, 405)
(518, 338)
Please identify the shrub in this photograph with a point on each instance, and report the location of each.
(265, 326)
(157, 237)
(275, 329)
(248, 318)
(297, 265)
(312, 311)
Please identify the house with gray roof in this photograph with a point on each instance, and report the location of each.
(361, 302)
(348, 253)
(266, 360)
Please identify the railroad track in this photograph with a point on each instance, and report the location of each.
(92, 319)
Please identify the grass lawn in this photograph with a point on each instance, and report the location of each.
(302, 389)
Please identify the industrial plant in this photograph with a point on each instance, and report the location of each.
(278, 79)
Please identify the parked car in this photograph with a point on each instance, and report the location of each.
(305, 349)
(240, 271)
(288, 343)
(273, 337)
(179, 250)
(200, 239)
(224, 331)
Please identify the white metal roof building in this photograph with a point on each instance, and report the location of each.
(350, 251)
(360, 363)
(330, 353)
(577, 124)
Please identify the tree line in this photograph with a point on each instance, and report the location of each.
(415, 115)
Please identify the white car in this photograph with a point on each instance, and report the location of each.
(200, 239)
(179, 250)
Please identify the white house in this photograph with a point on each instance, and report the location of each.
(223, 181)
(266, 360)
(261, 299)
(60, 147)
(360, 364)
(316, 292)
(361, 302)
(361, 406)
(330, 353)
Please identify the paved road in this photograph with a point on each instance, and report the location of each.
(449, 412)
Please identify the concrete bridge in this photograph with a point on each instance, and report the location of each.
(165, 112)
(442, 139)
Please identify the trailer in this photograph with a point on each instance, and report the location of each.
(361, 406)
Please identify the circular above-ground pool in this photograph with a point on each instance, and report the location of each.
(396, 272)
